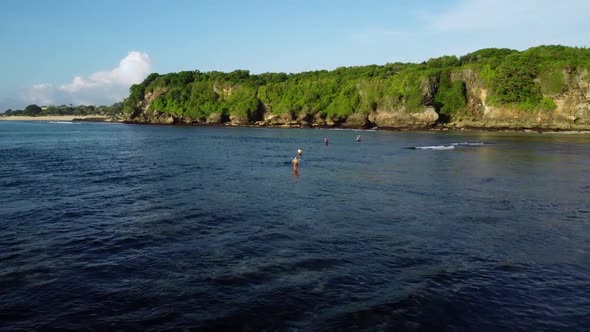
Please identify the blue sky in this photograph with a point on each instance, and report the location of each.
(90, 52)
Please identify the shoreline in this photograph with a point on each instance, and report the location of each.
(98, 118)
(440, 127)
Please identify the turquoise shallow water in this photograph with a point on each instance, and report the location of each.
(110, 226)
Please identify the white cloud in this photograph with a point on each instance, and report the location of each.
(101, 87)
(131, 70)
(465, 26)
(478, 15)
(41, 94)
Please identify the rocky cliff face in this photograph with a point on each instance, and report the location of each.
(572, 111)
(143, 115)
(390, 118)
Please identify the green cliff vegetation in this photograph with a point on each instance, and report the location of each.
(525, 80)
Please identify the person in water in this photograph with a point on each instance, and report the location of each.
(295, 163)
(326, 140)
(358, 138)
(299, 152)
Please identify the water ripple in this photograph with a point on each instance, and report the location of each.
(169, 228)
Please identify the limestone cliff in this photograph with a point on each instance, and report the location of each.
(572, 111)
(544, 88)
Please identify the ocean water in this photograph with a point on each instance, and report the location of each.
(126, 227)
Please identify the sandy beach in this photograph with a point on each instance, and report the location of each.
(51, 117)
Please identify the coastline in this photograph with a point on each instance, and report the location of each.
(102, 118)
(440, 128)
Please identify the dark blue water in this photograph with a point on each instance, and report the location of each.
(122, 227)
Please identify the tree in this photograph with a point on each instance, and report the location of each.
(514, 81)
(32, 110)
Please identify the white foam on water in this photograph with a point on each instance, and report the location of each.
(449, 147)
(468, 144)
(435, 147)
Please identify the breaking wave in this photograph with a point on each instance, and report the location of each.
(451, 146)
